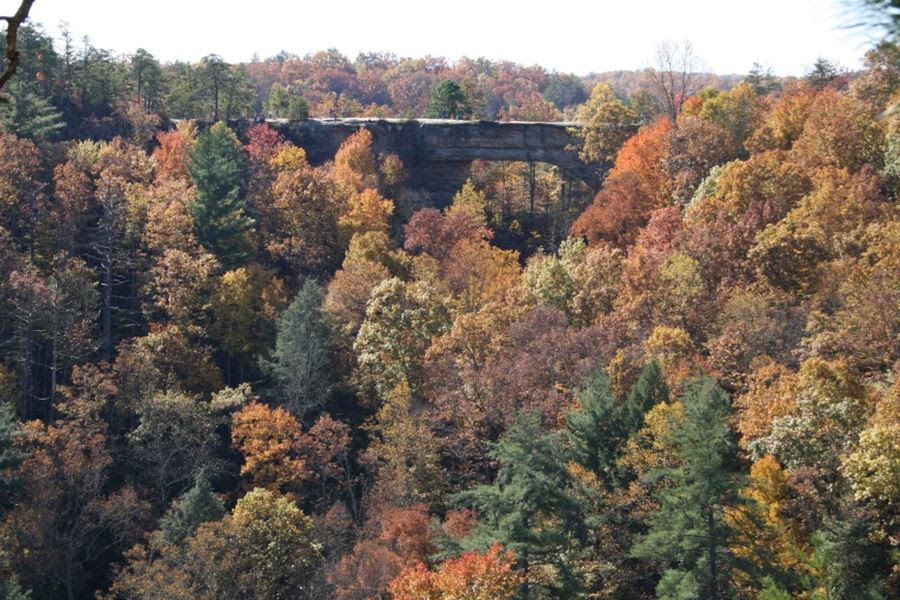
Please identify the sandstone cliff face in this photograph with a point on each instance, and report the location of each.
(437, 153)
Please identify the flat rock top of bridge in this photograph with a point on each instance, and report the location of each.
(438, 152)
(440, 140)
(370, 120)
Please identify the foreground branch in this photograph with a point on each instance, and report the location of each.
(12, 30)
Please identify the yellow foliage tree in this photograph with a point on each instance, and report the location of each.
(761, 529)
(354, 163)
(366, 211)
(405, 451)
(873, 468)
(608, 122)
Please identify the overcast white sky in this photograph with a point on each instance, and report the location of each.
(566, 35)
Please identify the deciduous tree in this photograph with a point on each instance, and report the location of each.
(472, 576)
(401, 320)
(269, 439)
(607, 122)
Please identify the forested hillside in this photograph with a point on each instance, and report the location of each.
(226, 373)
(98, 94)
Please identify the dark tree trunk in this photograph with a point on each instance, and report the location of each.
(713, 567)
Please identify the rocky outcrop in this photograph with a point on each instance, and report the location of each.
(437, 153)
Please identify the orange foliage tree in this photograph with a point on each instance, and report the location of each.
(269, 440)
(471, 576)
(172, 150)
(637, 184)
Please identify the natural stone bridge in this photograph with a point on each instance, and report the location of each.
(438, 152)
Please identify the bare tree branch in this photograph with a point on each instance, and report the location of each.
(677, 75)
(12, 30)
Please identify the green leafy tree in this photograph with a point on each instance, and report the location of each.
(448, 100)
(739, 111)
(216, 168)
(299, 364)
(690, 534)
(608, 123)
(263, 550)
(401, 321)
(565, 90)
(529, 508)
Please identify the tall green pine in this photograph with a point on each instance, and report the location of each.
(28, 114)
(596, 434)
(196, 506)
(598, 429)
(689, 534)
(448, 100)
(216, 167)
(529, 508)
(849, 556)
(299, 364)
(649, 390)
(595, 429)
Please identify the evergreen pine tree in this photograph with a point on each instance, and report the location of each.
(220, 220)
(10, 588)
(10, 457)
(299, 365)
(286, 103)
(822, 73)
(448, 100)
(196, 506)
(594, 429)
(529, 508)
(597, 433)
(599, 428)
(761, 79)
(689, 533)
(28, 114)
(849, 556)
(649, 390)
